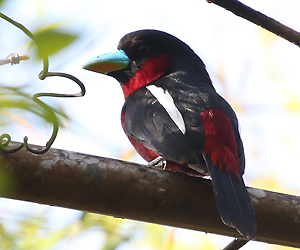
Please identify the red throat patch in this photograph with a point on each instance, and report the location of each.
(220, 143)
(153, 68)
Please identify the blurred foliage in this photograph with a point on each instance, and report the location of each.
(116, 230)
(50, 39)
(291, 100)
(128, 154)
(31, 234)
(17, 98)
(272, 183)
(1, 2)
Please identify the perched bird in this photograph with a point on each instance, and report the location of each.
(173, 115)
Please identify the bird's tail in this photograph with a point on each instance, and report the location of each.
(232, 200)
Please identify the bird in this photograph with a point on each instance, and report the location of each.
(173, 117)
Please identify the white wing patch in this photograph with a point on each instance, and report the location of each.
(166, 100)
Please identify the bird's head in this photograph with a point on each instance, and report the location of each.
(144, 56)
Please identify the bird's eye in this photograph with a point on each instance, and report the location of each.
(144, 50)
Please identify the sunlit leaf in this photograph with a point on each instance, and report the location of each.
(6, 239)
(277, 247)
(293, 105)
(49, 41)
(170, 239)
(272, 183)
(127, 155)
(1, 2)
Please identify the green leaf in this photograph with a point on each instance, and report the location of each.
(49, 41)
(1, 2)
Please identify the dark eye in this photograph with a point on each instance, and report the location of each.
(144, 50)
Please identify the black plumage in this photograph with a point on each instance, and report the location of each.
(172, 110)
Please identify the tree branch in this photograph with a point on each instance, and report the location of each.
(260, 19)
(133, 191)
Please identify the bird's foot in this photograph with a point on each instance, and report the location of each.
(159, 162)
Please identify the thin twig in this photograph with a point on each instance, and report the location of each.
(236, 244)
(13, 58)
(260, 19)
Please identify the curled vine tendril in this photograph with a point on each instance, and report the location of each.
(14, 58)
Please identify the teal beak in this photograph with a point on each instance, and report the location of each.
(108, 62)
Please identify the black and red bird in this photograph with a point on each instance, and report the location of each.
(173, 114)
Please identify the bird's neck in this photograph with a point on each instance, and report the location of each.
(151, 70)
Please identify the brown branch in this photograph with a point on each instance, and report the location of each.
(236, 244)
(260, 19)
(128, 190)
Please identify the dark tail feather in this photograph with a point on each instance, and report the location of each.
(232, 200)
